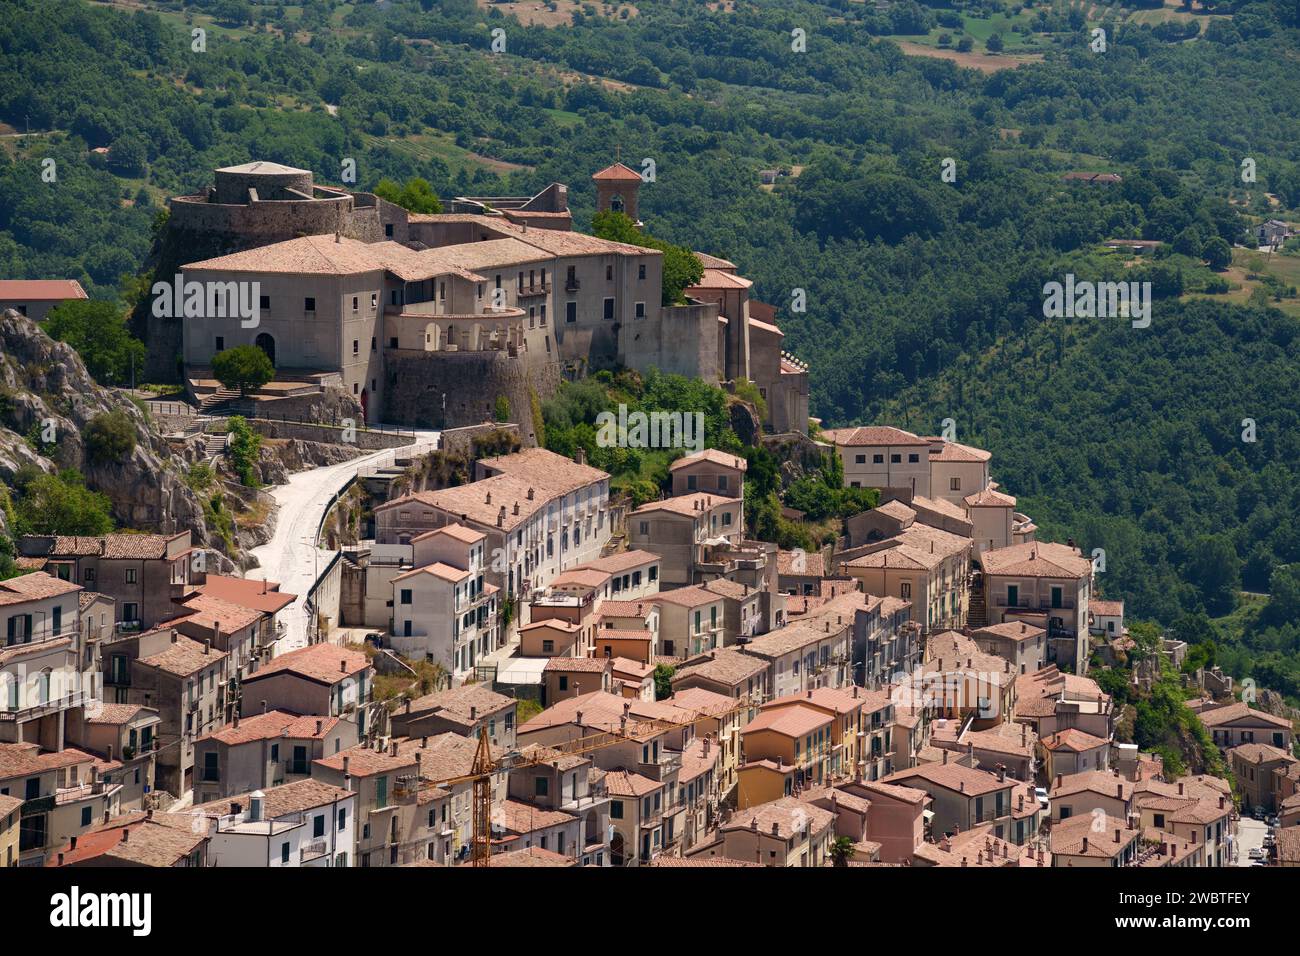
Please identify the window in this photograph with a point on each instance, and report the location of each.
(570, 312)
(221, 347)
(722, 482)
(609, 273)
(877, 459)
(726, 518)
(548, 647)
(640, 310)
(654, 573)
(356, 303)
(895, 459)
(564, 682)
(284, 853)
(616, 810)
(692, 482)
(905, 590)
(309, 304)
(644, 527)
(913, 459)
(264, 302)
(85, 816)
(640, 271)
(343, 818)
(859, 459)
(318, 825)
(541, 786)
(1013, 595)
(388, 230)
(954, 484)
(356, 347)
(609, 308)
(130, 575)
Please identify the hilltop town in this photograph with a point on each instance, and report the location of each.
(529, 668)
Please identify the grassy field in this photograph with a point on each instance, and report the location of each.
(1247, 263)
(442, 146)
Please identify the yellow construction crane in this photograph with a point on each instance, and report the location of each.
(485, 765)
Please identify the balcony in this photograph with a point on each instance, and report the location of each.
(528, 291)
(670, 762)
(572, 284)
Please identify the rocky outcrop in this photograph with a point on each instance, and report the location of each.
(281, 457)
(45, 390)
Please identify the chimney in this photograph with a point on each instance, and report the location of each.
(207, 648)
(264, 708)
(501, 516)
(60, 859)
(236, 723)
(516, 507)
(73, 843)
(392, 748)
(320, 725)
(1085, 844)
(473, 713)
(1057, 785)
(810, 693)
(945, 756)
(346, 760)
(408, 705)
(126, 835)
(776, 828)
(424, 742)
(530, 494)
(1180, 788)
(1117, 834)
(580, 455)
(488, 499)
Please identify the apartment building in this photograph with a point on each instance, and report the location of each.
(792, 736)
(265, 751)
(730, 673)
(633, 575)
(785, 832)
(45, 670)
(261, 598)
(956, 470)
(443, 609)
(188, 684)
(322, 679)
(63, 795)
(540, 514)
(303, 824)
(566, 784)
(1255, 768)
(692, 620)
(962, 797)
(10, 815)
(125, 738)
(1044, 584)
(848, 730)
(717, 718)
(687, 531)
(1238, 723)
(993, 518)
(883, 457)
(466, 710)
(711, 471)
(386, 787)
(742, 607)
(163, 840)
(1095, 841)
(1050, 701)
(814, 651)
(565, 677)
(143, 573)
(1022, 645)
(1073, 751)
(927, 566)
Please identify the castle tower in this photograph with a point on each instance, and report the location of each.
(616, 189)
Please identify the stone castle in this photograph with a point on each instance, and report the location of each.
(428, 319)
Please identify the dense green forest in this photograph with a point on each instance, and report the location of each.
(923, 292)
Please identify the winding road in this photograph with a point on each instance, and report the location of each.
(291, 557)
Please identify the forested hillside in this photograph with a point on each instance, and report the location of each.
(923, 295)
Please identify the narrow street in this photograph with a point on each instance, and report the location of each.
(291, 557)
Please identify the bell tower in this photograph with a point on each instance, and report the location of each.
(616, 189)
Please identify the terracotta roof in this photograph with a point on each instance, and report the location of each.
(786, 817)
(8, 805)
(530, 856)
(438, 570)
(990, 498)
(725, 665)
(1069, 836)
(1104, 782)
(1073, 740)
(874, 435)
(366, 762)
(1262, 753)
(27, 759)
(702, 701)
(713, 456)
(586, 577)
(288, 798)
(578, 665)
(40, 290)
(456, 703)
(1106, 608)
(955, 452)
(1288, 845)
(274, 723)
(34, 587)
(115, 547)
(1240, 711)
(622, 561)
(116, 714)
(554, 473)
(795, 720)
(635, 609)
(693, 504)
(625, 783)
(1042, 559)
(184, 657)
(1014, 630)
(617, 172)
(457, 531)
(264, 596)
(213, 612)
(699, 861)
(814, 563)
(146, 843)
(951, 776)
(840, 700)
(322, 663)
(626, 667)
(694, 596)
(519, 817)
(730, 589)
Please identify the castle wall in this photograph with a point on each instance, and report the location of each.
(416, 383)
(678, 339)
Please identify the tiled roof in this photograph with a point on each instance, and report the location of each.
(617, 172)
(34, 587)
(115, 547)
(1015, 630)
(554, 473)
(788, 815)
(813, 563)
(694, 504)
(1240, 711)
(322, 663)
(694, 596)
(26, 759)
(1042, 559)
(952, 451)
(874, 435)
(40, 290)
(213, 612)
(1091, 836)
(724, 666)
(1106, 608)
(114, 714)
(364, 761)
(625, 783)
(260, 595)
(1104, 782)
(795, 720)
(701, 700)
(990, 498)
(146, 843)
(531, 856)
(1074, 740)
(296, 797)
(951, 776)
(578, 665)
(184, 657)
(622, 561)
(274, 723)
(713, 456)
(439, 570)
(519, 817)
(457, 702)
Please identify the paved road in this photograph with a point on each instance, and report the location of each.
(1250, 833)
(291, 556)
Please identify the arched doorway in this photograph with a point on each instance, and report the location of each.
(365, 405)
(267, 344)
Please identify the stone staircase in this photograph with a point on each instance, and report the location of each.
(976, 612)
(214, 446)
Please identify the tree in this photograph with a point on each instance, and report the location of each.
(244, 367)
(663, 681)
(97, 332)
(245, 445)
(109, 437)
(994, 43)
(1217, 254)
(416, 196)
(842, 851)
(61, 504)
(502, 409)
(1215, 569)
